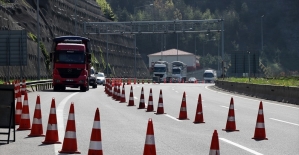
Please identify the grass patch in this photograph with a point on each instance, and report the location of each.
(279, 81)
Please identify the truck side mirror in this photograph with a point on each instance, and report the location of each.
(89, 58)
(50, 57)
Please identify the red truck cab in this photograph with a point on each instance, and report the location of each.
(71, 63)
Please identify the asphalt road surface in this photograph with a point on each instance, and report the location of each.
(123, 128)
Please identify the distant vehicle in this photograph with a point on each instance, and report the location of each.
(192, 80)
(93, 78)
(101, 79)
(210, 76)
(161, 71)
(179, 70)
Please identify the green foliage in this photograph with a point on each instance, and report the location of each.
(32, 36)
(281, 81)
(106, 9)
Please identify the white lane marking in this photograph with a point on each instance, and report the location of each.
(228, 94)
(284, 121)
(226, 107)
(57, 147)
(172, 117)
(135, 97)
(240, 146)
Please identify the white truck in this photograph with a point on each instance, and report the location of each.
(210, 76)
(179, 71)
(161, 71)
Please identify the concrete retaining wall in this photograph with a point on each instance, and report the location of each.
(269, 92)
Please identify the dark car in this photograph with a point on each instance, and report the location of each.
(192, 80)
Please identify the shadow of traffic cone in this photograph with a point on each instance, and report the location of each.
(37, 125)
(52, 131)
(160, 109)
(123, 95)
(70, 140)
(141, 102)
(150, 105)
(214, 149)
(183, 109)
(95, 145)
(149, 146)
(199, 113)
(25, 116)
(131, 98)
(260, 131)
(18, 109)
(230, 123)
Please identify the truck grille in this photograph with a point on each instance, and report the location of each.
(160, 75)
(69, 72)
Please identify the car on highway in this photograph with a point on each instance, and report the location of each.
(192, 80)
(101, 79)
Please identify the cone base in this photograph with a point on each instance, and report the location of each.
(36, 135)
(122, 102)
(227, 130)
(130, 105)
(198, 122)
(159, 113)
(141, 108)
(259, 138)
(51, 142)
(150, 111)
(183, 118)
(70, 152)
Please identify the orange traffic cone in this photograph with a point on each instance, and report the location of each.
(141, 102)
(260, 132)
(37, 125)
(70, 140)
(149, 146)
(52, 131)
(131, 98)
(183, 110)
(95, 145)
(214, 149)
(160, 109)
(199, 113)
(150, 105)
(18, 109)
(123, 95)
(25, 116)
(230, 123)
(117, 93)
(23, 89)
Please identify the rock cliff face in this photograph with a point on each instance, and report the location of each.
(60, 18)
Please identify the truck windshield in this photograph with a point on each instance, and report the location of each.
(75, 57)
(176, 71)
(208, 75)
(159, 69)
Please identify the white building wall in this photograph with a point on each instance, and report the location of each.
(187, 59)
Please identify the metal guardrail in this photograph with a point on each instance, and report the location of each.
(39, 85)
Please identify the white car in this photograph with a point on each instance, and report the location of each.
(101, 79)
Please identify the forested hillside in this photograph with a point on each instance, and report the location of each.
(244, 21)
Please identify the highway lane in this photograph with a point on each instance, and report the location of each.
(124, 128)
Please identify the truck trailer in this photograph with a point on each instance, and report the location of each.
(71, 63)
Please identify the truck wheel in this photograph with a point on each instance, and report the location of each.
(83, 89)
(55, 88)
(63, 88)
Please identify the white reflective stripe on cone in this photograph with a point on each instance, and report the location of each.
(18, 112)
(25, 116)
(19, 99)
(183, 109)
(52, 127)
(160, 105)
(95, 145)
(37, 106)
(160, 96)
(53, 111)
(71, 116)
(260, 125)
(96, 125)
(131, 98)
(183, 99)
(199, 113)
(231, 118)
(214, 152)
(150, 139)
(142, 100)
(25, 102)
(37, 121)
(70, 134)
(260, 111)
(150, 102)
(231, 106)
